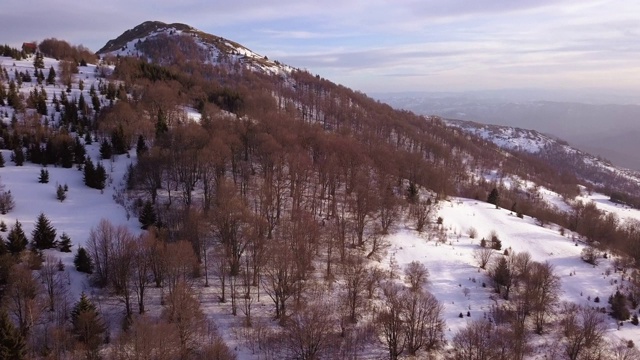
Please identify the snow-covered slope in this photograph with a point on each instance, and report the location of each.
(453, 268)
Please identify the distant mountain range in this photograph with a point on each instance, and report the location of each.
(607, 130)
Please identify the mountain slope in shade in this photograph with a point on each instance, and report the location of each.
(165, 44)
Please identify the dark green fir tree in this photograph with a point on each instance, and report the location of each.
(147, 215)
(64, 244)
(12, 343)
(43, 235)
(83, 262)
(16, 240)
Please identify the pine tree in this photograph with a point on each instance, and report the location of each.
(61, 195)
(148, 215)
(141, 146)
(38, 61)
(619, 308)
(3, 226)
(494, 197)
(44, 234)
(88, 326)
(18, 155)
(44, 176)
(79, 151)
(118, 142)
(105, 149)
(12, 343)
(16, 240)
(3, 249)
(89, 173)
(82, 261)
(100, 176)
(64, 245)
(1, 160)
(51, 77)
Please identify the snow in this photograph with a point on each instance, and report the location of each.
(452, 266)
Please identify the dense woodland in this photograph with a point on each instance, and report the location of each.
(284, 189)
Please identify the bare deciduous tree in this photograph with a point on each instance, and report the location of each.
(417, 275)
(583, 329)
(482, 256)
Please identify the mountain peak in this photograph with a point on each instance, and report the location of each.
(164, 43)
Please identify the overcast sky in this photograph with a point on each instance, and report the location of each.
(384, 46)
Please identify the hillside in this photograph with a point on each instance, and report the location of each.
(594, 171)
(254, 213)
(159, 42)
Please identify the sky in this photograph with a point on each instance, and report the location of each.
(384, 45)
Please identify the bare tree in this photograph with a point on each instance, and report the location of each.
(417, 275)
(355, 276)
(121, 267)
(23, 298)
(309, 331)
(184, 312)
(142, 266)
(53, 280)
(583, 329)
(482, 256)
(390, 321)
(424, 326)
(147, 339)
(541, 289)
(474, 341)
(99, 247)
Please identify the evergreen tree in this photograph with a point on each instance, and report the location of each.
(18, 155)
(100, 176)
(12, 343)
(16, 240)
(105, 149)
(3, 248)
(38, 61)
(1, 160)
(494, 197)
(118, 142)
(66, 154)
(51, 77)
(619, 308)
(61, 195)
(89, 173)
(44, 234)
(82, 261)
(3, 226)
(147, 215)
(64, 245)
(141, 146)
(79, 151)
(44, 176)
(88, 326)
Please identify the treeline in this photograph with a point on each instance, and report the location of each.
(62, 50)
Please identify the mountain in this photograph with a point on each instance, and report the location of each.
(594, 170)
(280, 195)
(160, 43)
(601, 127)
